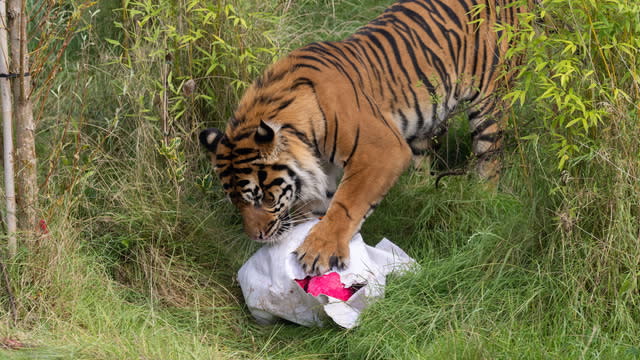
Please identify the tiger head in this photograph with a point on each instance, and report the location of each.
(267, 168)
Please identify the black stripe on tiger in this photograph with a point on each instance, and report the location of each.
(307, 66)
(316, 48)
(355, 147)
(335, 139)
(396, 52)
(298, 134)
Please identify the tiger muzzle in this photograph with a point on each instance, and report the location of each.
(258, 223)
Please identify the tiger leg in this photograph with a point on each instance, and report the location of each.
(368, 176)
(422, 155)
(486, 125)
(422, 162)
(318, 208)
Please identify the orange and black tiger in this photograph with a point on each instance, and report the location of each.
(363, 106)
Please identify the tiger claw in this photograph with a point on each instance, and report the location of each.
(333, 261)
(317, 261)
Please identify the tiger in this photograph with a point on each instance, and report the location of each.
(362, 108)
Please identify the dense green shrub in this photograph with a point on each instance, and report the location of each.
(581, 70)
(147, 154)
(580, 83)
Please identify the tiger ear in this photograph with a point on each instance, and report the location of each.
(264, 134)
(210, 138)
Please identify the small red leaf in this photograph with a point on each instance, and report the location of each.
(43, 226)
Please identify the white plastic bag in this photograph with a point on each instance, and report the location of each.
(268, 281)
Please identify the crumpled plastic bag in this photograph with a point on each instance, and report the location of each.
(268, 281)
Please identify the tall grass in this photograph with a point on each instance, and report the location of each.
(583, 72)
(142, 250)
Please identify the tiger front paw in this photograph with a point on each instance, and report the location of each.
(319, 254)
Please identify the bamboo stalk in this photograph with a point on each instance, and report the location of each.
(7, 132)
(126, 42)
(164, 107)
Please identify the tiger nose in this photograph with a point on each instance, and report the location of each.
(258, 237)
(254, 230)
(255, 221)
(256, 234)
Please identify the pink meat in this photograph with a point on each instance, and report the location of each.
(328, 284)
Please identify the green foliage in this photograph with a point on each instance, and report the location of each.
(579, 82)
(581, 70)
(146, 157)
(216, 44)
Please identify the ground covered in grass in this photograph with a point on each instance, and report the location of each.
(142, 252)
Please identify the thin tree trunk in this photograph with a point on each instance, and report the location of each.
(7, 131)
(25, 123)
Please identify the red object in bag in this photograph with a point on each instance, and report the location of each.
(327, 284)
(303, 282)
